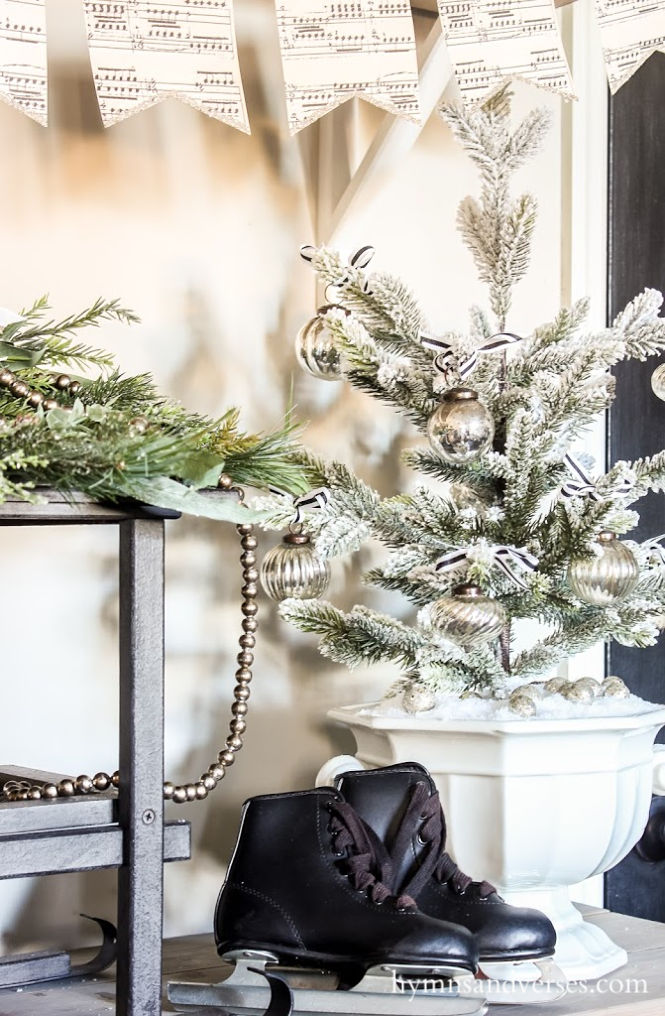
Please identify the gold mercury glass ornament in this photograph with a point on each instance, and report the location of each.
(468, 617)
(606, 578)
(315, 347)
(461, 428)
(293, 568)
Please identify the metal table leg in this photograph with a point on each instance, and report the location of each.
(140, 802)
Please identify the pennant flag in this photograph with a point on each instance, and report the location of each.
(489, 42)
(333, 50)
(630, 31)
(23, 57)
(142, 53)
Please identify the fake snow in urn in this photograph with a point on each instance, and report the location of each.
(607, 577)
(294, 569)
(468, 617)
(461, 428)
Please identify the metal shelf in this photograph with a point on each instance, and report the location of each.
(123, 829)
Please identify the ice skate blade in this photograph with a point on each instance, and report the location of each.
(383, 991)
(526, 983)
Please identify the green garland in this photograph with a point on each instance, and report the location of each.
(116, 437)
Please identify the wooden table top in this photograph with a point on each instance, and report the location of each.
(194, 959)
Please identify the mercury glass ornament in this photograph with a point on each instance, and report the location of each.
(606, 578)
(468, 617)
(614, 687)
(521, 703)
(293, 568)
(461, 428)
(418, 699)
(554, 685)
(658, 382)
(315, 347)
(578, 691)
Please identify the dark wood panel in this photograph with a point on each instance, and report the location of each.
(636, 259)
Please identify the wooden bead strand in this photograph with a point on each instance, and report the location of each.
(35, 399)
(198, 790)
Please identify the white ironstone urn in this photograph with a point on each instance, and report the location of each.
(534, 806)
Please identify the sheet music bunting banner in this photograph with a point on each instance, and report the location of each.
(23, 56)
(630, 31)
(334, 49)
(490, 42)
(142, 53)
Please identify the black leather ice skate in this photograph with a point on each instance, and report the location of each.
(401, 804)
(305, 883)
(307, 889)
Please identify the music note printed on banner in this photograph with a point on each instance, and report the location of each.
(23, 57)
(142, 53)
(335, 49)
(630, 31)
(491, 41)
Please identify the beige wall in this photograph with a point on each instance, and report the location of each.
(197, 228)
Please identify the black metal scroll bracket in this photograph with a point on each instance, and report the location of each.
(50, 967)
(281, 996)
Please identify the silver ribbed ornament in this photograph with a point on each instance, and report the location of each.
(293, 568)
(658, 381)
(461, 428)
(468, 617)
(315, 347)
(606, 578)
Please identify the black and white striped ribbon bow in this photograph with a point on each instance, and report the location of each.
(358, 260)
(446, 359)
(506, 558)
(585, 486)
(318, 498)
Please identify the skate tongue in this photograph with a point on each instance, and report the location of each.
(367, 862)
(424, 814)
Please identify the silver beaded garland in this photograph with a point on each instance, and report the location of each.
(14, 790)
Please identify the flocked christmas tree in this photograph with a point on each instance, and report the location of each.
(508, 523)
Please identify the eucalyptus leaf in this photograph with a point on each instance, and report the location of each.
(164, 492)
(11, 354)
(200, 468)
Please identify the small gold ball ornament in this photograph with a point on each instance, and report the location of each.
(418, 699)
(554, 685)
(468, 617)
(461, 428)
(615, 687)
(606, 578)
(578, 691)
(521, 703)
(315, 347)
(591, 685)
(294, 569)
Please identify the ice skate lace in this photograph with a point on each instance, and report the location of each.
(365, 860)
(425, 814)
